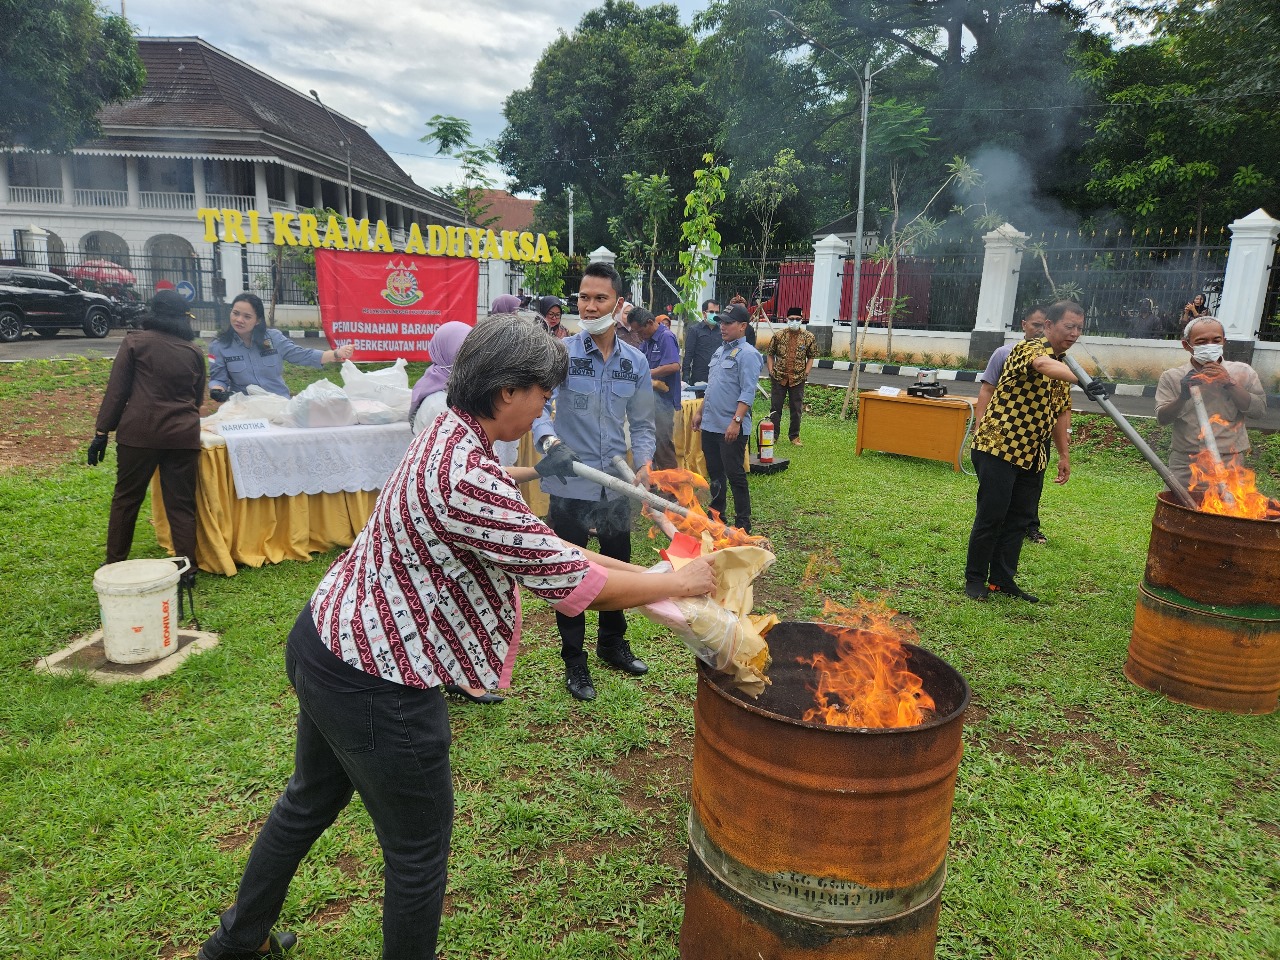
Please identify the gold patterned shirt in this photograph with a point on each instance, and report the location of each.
(1022, 411)
(791, 353)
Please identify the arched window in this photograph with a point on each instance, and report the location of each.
(102, 245)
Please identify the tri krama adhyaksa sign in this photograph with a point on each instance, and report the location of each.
(390, 306)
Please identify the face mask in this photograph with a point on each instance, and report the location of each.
(793, 324)
(599, 325)
(1207, 353)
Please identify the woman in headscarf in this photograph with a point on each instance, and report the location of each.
(427, 401)
(153, 403)
(507, 303)
(550, 310)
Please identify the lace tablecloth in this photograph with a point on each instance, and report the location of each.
(288, 461)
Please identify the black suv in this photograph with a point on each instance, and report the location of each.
(47, 303)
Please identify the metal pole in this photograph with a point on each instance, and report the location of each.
(342, 142)
(627, 490)
(1210, 442)
(862, 199)
(1143, 448)
(571, 220)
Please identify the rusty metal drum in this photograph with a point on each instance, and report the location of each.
(807, 840)
(1213, 657)
(1212, 559)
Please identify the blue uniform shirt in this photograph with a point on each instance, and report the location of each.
(660, 350)
(731, 379)
(235, 366)
(590, 409)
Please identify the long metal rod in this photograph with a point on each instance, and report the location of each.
(618, 485)
(1210, 441)
(1143, 447)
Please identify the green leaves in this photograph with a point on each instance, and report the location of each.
(699, 233)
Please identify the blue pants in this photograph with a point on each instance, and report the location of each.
(1008, 503)
(390, 742)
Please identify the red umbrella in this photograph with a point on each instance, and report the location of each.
(103, 271)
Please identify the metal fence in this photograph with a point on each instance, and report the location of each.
(1270, 327)
(290, 278)
(1131, 284)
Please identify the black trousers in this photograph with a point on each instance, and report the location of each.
(391, 743)
(794, 398)
(1008, 501)
(572, 521)
(135, 466)
(728, 472)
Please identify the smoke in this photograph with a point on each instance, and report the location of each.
(1009, 188)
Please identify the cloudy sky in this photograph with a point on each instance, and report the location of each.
(386, 64)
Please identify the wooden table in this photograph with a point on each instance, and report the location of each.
(933, 429)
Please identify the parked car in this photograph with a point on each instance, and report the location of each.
(47, 303)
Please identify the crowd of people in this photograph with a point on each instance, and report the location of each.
(426, 600)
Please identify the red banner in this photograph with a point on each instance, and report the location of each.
(389, 305)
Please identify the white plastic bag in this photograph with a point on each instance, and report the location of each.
(256, 404)
(374, 411)
(389, 385)
(323, 404)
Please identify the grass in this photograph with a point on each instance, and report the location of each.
(1092, 818)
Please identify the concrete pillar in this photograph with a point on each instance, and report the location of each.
(33, 247)
(317, 192)
(68, 182)
(637, 289)
(709, 282)
(232, 269)
(824, 299)
(602, 254)
(1244, 289)
(499, 279)
(291, 188)
(4, 178)
(197, 179)
(261, 201)
(999, 290)
(133, 182)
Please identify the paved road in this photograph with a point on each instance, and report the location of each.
(69, 344)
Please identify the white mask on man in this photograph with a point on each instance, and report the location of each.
(1207, 353)
(599, 325)
(793, 325)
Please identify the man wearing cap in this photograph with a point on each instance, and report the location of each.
(1231, 391)
(663, 353)
(701, 341)
(608, 388)
(790, 357)
(725, 418)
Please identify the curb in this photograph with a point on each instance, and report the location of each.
(971, 376)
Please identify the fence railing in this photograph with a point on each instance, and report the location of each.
(292, 281)
(35, 194)
(232, 201)
(101, 198)
(159, 200)
(1269, 329)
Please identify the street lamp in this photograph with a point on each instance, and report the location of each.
(342, 142)
(864, 87)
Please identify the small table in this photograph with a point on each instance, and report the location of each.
(933, 429)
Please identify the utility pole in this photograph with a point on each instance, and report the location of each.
(571, 219)
(342, 142)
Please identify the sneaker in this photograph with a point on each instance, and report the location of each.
(1013, 592)
(279, 943)
(1035, 536)
(578, 679)
(620, 657)
(975, 591)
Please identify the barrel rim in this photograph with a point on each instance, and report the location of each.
(715, 682)
(1167, 499)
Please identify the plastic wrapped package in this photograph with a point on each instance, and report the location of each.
(256, 404)
(389, 386)
(374, 412)
(322, 404)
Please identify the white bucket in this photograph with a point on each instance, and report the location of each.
(139, 602)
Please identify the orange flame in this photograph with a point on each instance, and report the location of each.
(867, 684)
(1230, 489)
(685, 486)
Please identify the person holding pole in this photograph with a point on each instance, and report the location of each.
(1031, 402)
(1232, 394)
(428, 594)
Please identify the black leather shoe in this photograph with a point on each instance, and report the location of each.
(578, 679)
(621, 658)
(975, 591)
(281, 942)
(454, 690)
(1015, 592)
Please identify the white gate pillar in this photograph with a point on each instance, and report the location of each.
(824, 298)
(1244, 289)
(999, 290)
(602, 254)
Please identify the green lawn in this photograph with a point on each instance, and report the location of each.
(1092, 818)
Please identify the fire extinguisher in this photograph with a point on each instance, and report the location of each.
(764, 440)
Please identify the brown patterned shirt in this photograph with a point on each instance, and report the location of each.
(791, 353)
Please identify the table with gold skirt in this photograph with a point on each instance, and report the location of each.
(233, 531)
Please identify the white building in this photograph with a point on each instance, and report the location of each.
(206, 131)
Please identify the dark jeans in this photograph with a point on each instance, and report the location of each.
(572, 521)
(728, 471)
(794, 398)
(390, 742)
(1007, 502)
(664, 417)
(135, 466)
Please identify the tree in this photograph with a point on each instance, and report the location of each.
(651, 199)
(452, 137)
(60, 61)
(699, 233)
(764, 191)
(617, 95)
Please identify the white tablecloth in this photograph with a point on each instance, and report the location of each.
(288, 461)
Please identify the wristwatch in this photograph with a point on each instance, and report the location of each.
(737, 419)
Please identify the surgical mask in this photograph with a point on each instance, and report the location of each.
(599, 325)
(1207, 353)
(793, 325)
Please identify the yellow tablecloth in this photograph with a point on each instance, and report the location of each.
(688, 440)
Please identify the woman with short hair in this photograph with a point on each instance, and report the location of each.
(427, 595)
(246, 353)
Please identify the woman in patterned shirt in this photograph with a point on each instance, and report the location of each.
(427, 595)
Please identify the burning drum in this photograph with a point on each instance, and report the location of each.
(809, 840)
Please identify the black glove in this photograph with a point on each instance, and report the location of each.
(557, 462)
(97, 449)
(1191, 379)
(1096, 390)
(218, 394)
